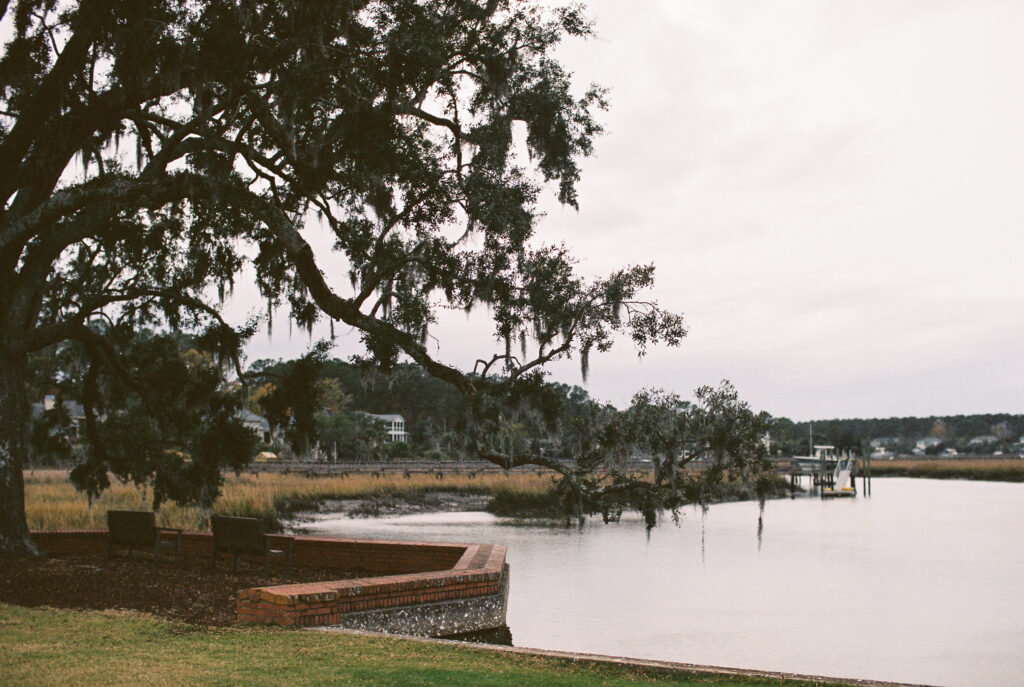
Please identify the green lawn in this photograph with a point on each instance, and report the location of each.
(59, 647)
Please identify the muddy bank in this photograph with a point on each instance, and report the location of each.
(526, 506)
(378, 506)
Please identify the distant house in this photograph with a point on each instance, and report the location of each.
(927, 443)
(256, 423)
(885, 442)
(394, 425)
(1002, 431)
(73, 409)
(983, 440)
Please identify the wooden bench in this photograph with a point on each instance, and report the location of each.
(245, 536)
(133, 529)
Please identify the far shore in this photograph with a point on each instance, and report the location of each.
(986, 469)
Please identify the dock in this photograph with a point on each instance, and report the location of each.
(827, 473)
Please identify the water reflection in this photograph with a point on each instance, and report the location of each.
(924, 582)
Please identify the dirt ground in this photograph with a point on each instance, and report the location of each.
(189, 592)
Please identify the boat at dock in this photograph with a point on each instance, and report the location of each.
(826, 469)
(843, 483)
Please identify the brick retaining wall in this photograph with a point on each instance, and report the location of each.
(477, 573)
(425, 573)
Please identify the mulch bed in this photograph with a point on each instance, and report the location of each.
(189, 592)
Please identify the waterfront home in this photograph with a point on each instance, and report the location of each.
(394, 425)
(923, 445)
(257, 423)
(983, 440)
(73, 409)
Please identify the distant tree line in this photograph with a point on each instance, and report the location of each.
(991, 432)
(322, 402)
(436, 416)
(321, 406)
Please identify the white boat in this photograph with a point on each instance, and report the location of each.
(826, 467)
(843, 483)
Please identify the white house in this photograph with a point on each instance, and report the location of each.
(394, 425)
(257, 423)
(881, 453)
(73, 409)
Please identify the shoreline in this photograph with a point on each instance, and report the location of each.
(383, 506)
(974, 469)
(531, 508)
(685, 657)
(53, 504)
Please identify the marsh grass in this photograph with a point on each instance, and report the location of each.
(52, 503)
(995, 470)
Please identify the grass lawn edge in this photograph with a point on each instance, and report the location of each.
(646, 665)
(55, 646)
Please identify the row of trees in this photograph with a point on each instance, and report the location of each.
(344, 392)
(435, 413)
(318, 401)
(901, 434)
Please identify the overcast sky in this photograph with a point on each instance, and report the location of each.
(832, 193)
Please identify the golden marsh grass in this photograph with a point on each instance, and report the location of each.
(52, 503)
(1001, 470)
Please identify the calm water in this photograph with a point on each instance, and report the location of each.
(923, 582)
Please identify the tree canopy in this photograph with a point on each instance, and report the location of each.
(176, 436)
(151, 151)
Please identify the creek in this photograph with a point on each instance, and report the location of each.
(922, 582)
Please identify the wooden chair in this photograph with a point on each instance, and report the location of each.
(245, 536)
(133, 529)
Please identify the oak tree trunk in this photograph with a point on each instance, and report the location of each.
(14, 433)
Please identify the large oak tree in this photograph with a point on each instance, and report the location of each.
(152, 150)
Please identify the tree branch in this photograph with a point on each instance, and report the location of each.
(301, 255)
(45, 101)
(101, 349)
